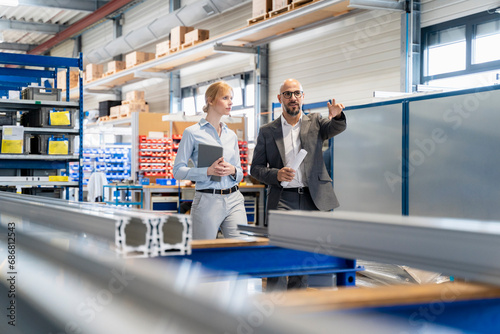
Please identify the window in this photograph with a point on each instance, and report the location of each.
(446, 51)
(487, 42)
(462, 53)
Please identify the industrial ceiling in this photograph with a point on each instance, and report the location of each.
(34, 26)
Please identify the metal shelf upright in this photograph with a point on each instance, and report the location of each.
(14, 78)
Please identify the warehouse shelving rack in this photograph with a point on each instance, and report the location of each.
(14, 77)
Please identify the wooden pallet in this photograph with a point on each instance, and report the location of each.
(162, 55)
(280, 11)
(259, 18)
(103, 118)
(299, 3)
(120, 116)
(133, 101)
(110, 73)
(125, 114)
(172, 50)
(187, 45)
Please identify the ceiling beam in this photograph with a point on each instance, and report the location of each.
(16, 46)
(45, 28)
(79, 5)
(79, 26)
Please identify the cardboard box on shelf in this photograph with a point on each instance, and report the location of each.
(62, 79)
(126, 109)
(134, 95)
(261, 7)
(162, 48)
(196, 35)
(177, 36)
(137, 57)
(115, 66)
(115, 111)
(93, 72)
(279, 4)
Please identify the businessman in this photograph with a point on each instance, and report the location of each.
(278, 144)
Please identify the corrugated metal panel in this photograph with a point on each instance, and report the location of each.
(229, 20)
(346, 60)
(65, 49)
(144, 14)
(438, 11)
(219, 67)
(97, 37)
(223, 23)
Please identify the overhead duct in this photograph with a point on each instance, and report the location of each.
(160, 28)
(395, 5)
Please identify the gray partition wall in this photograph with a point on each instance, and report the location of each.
(454, 156)
(367, 164)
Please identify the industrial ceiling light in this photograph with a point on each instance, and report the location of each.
(378, 4)
(12, 3)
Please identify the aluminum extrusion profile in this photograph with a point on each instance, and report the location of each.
(174, 235)
(136, 233)
(102, 295)
(457, 247)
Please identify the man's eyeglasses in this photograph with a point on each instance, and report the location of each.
(287, 94)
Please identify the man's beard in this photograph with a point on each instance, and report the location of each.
(292, 112)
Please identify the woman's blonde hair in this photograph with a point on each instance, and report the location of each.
(216, 91)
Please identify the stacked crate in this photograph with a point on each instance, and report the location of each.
(155, 157)
(265, 9)
(93, 72)
(162, 49)
(62, 79)
(195, 36)
(137, 57)
(134, 102)
(243, 146)
(177, 37)
(114, 67)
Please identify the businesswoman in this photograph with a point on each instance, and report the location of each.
(216, 204)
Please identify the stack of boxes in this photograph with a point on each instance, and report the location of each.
(134, 102)
(177, 37)
(181, 37)
(263, 9)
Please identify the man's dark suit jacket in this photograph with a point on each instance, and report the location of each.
(269, 155)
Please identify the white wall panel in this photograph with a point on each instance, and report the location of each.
(65, 49)
(438, 11)
(229, 20)
(97, 37)
(144, 13)
(347, 59)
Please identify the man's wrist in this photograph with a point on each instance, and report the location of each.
(339, 116)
